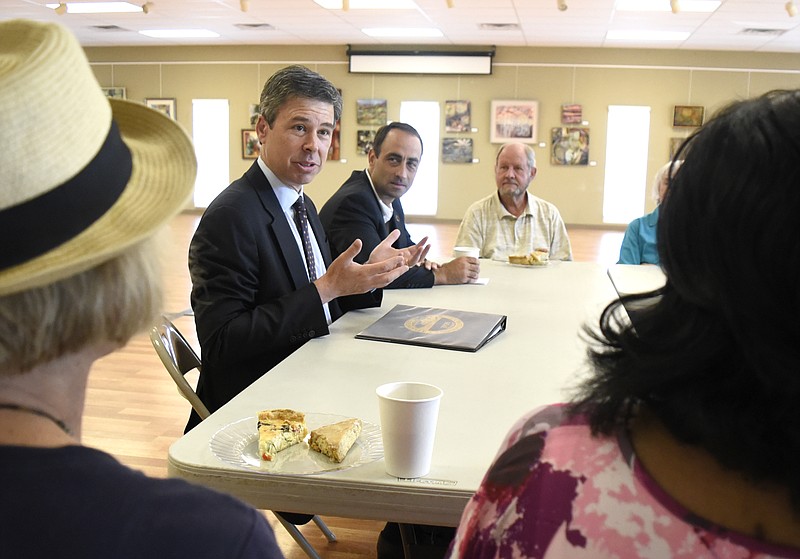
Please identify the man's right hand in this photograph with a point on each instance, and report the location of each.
(464, 269)
(347, 277)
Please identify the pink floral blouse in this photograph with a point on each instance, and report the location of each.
(554, 491)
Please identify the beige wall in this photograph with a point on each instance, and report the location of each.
(594, 78)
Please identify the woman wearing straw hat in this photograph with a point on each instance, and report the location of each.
(78, 278)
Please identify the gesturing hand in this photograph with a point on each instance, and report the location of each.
(346, 277)
(411, 255)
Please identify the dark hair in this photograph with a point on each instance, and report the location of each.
(380, 135)
(297, 81)
(715, 354)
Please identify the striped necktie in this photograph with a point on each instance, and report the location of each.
(301, 220)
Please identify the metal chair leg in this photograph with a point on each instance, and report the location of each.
(298, 537)
(324, 528)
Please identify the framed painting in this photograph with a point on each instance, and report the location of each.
(457, 150)
(334, 152)
(251, 147)
(162, 105)
(514, 121)
(457, 117)
(674, 144)
(364, 141)
(116, 92)
(372, 112)
(688, 115)
(570, 146)
(571, 114)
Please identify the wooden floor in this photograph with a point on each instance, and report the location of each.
(134, 412)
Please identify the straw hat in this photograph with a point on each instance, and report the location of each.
(72, 193)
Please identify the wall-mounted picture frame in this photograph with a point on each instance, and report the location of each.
(251, 147)
(688, 115)
(514, 121)
(252, 114)
(115, 92)
(570, 146)
(164, 105)
(674, 144)
(457, 116)
(456, 150)
(334, 151)
(371, 112)
(571, 113)
(364, 141)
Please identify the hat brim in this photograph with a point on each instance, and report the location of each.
(162, 180)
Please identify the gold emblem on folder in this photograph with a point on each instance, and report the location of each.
(434, 324)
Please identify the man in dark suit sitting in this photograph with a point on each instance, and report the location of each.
(367, 207)
(263, 281)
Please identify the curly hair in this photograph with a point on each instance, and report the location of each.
(715, 353)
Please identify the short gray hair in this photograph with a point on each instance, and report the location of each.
(529, 154)
(297, 81)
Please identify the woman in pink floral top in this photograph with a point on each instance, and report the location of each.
(683, 443)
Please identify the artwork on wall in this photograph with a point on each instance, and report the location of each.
(674, 144)
(166, 106)
(251, 147)
(364, 141)
(252, 111)
(371, 112)
(570, 146)
(688, 115)
(334, 152)
(115, 92)
(571, 114)
(457, 150)
(457, 116)
(514, 121)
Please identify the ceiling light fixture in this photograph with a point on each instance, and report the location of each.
(96, 7)
(146, 7)
(791, 8)
(244, 5)
(61, 9)
(686, 6)
(451, 3)
(675, 6)
(345, 5)
(562, 5)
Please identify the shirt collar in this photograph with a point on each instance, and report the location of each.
(286, 194)
(503, 212)
(387, 211)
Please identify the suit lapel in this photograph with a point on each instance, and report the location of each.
(279, 226)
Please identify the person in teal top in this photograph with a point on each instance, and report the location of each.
(639, 243)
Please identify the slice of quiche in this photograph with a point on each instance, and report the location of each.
(278, 430)
(335, 441)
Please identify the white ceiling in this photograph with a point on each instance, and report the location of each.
(540, 23)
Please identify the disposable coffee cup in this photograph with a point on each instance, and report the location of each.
(466, 251)
(409, 412)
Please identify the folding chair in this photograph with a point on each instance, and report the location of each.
(179, 358)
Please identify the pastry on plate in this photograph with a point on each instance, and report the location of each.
(538, 257)
(335, 441)
(278, 430)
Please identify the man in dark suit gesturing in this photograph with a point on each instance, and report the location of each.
(263, 282)
(367, 207)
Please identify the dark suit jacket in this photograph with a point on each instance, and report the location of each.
(251, 296)
(353, 213)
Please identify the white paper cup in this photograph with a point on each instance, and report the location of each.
(409, 412)
(466, 251)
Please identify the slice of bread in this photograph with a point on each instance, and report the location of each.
(335, 441)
